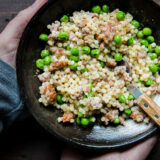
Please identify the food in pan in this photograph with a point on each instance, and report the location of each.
(81, 71)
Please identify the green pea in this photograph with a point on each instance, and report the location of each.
(92, 119)
(44, 53)
(90, 94)
(65, 19)
(147, 31)
(101, 12)
(130, 41)
(118, 57)
(102, 64)
(135, 23)
(78, 121)
(128, 111)
(75, 51)
(116, 121)
(140, 34)
(149, 82)
(47, 60)
(150, 39)
(153, 68)
(43, 37)
(40, 63)
(80, 114)
(95, 52)
(140, 81)
(131, 97)
(68, 48)
(158, 67)
(74, 66)
(83, 70)
(117, 39)
(150, 49)
(59, 99)
(105, 8)
(157, 50)
(63, 35)
(91, 86)
(144, 42)
(122, 99)
(96, 9)
(84, 96)
(74, 58)
(153, 56)
(86, 50)
(82, 106)
(120, 15)
(85, 121)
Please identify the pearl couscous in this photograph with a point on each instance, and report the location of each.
(81, 71)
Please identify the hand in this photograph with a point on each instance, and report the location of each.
(138, 152)
(10, 37)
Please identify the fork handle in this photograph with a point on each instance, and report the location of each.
(150, 107)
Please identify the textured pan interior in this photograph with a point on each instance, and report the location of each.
(98, 137)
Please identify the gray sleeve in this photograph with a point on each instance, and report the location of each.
(10, 101)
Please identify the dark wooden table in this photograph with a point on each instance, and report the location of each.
(27, 140)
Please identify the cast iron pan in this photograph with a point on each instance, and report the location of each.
(98, 137)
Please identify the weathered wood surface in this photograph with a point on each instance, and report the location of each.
(9, 8)
(27, 140)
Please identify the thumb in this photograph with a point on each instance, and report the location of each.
(16, 27)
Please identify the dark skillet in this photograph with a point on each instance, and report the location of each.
(98, 137)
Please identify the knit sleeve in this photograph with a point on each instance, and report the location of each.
(10, 101)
